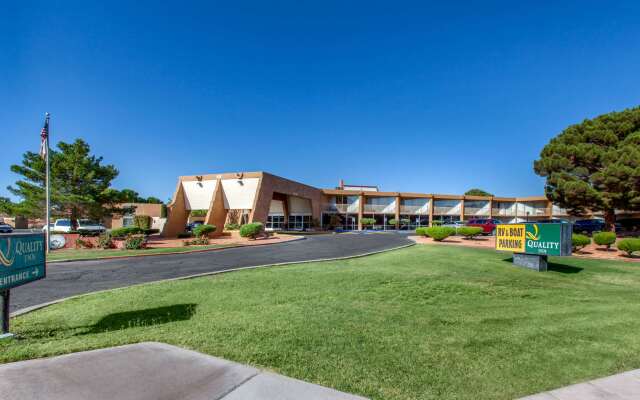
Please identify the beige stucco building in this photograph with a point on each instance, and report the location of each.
(281, 203)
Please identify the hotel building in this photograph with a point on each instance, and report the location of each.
(281, 203)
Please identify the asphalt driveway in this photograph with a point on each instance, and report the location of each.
(78, 277)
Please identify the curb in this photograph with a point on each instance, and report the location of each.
(29, 309)
(173, 252)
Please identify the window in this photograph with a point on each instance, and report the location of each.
(275, 222)
(127, 220)
(299, 222)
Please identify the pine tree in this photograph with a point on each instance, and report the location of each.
(79, 183)
(477, 192)
(595, 165)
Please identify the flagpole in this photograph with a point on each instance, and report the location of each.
(47, 188)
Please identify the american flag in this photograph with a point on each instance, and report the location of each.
(44, 136)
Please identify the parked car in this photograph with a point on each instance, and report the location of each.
(588, 226)
(553, 221)
(454, 224)
(64, 225)
(5, 228)
(488, 225)
(192, 225)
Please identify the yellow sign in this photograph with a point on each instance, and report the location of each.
(511, 238)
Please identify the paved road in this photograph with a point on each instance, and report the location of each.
(78, 277)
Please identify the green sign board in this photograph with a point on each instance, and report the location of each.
(22, 259)
(534, 238)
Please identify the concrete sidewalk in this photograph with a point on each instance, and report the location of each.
(624, 386)
(150, 371)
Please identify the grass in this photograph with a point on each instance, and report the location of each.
(427, 322)
(91, 254)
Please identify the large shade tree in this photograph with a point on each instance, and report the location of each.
(79, 183)
(477, 192)
(595, 165)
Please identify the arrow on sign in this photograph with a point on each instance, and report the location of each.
(34, 272)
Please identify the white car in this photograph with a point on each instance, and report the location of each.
(64, 225)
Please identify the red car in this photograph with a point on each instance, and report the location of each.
(488, 225)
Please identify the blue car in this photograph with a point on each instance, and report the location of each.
(588, 226)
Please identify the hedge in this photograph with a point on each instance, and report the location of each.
(199, 213)
(604, 238)
(579, 241)
(629, 245)
(421, 231)
(231, 227)
(469, 232)
(203, 230)
(439, 233)
(125, 231)
(252, 230)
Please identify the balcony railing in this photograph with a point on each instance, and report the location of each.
(446, 210)
(476, 211)
(341, 208)
(503, 212)
(379, 208)
(414, 210)
(532, 212)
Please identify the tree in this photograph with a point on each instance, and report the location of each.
(6, 206)
(153, 200)
(595, 165)
(477, 192)
(79, 183)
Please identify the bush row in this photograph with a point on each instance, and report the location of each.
(607, 239)
(437, 233)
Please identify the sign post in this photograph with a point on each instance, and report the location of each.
(22, 260)
(532, 243)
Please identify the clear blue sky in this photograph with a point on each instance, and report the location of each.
(409, 96)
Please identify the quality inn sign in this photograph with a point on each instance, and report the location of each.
(533, 238)
(22, 259)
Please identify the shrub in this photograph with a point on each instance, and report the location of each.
(196, 242)
(203, 230)
(580, 241)
(421, 231)
(105, 241)
(134, 242)
(367, 221)
(148, 232)
(251, 230)
(469, 232)
(436, 223)
(199, 213)
(125, 231)
(231, 227)
(142, 221)
(83, 244)
(604, 238)
(439, 233)
(401, 222)
(183, 235)
(629, 245)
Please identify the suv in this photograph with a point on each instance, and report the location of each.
(488, 225)
(588, 226)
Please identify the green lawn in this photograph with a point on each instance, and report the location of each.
(84, 254)
(426, 322)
